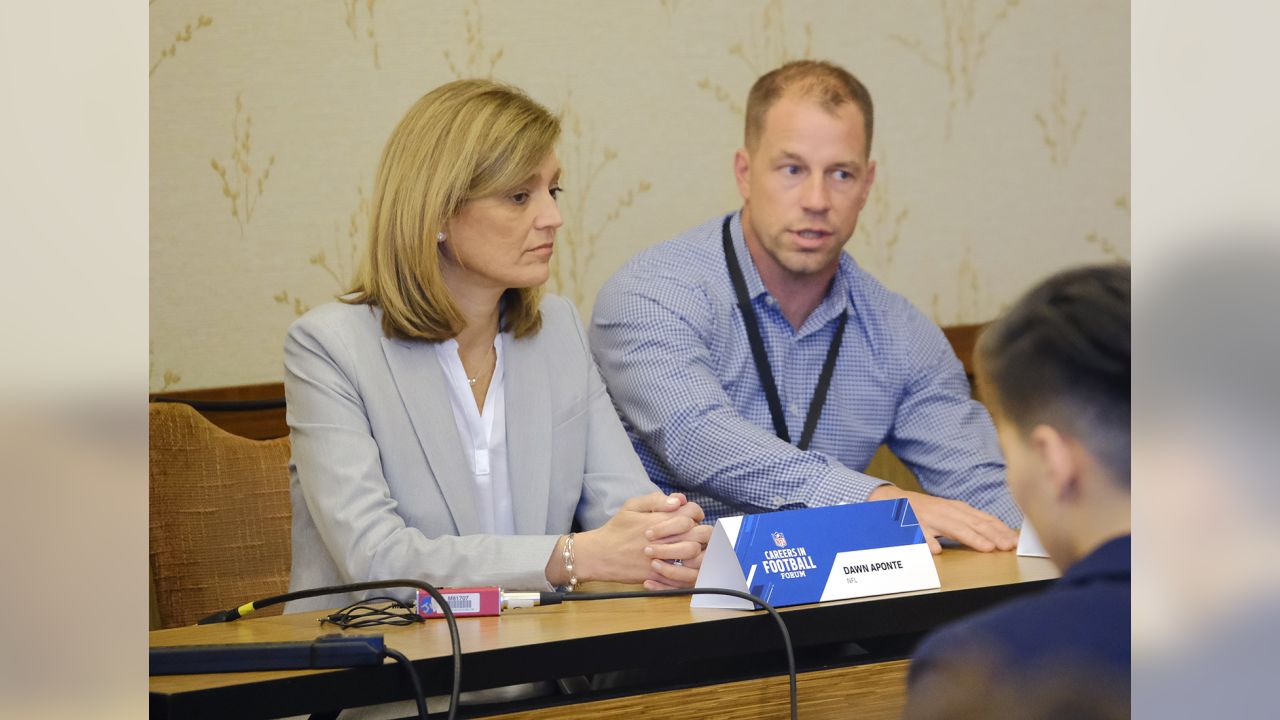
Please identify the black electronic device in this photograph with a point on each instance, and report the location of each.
(326, 651)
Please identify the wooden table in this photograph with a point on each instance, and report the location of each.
(621, 635)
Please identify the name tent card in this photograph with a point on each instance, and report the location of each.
(792, 557)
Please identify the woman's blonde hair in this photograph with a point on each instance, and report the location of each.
(462, 141)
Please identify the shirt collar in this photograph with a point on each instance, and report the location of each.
(837, 299)
(755, 285)
(1110, 559)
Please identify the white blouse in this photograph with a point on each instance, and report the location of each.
(484, 438)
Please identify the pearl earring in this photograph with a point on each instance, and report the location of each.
(440, 237)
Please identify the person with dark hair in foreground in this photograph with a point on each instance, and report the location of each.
(1056, 372)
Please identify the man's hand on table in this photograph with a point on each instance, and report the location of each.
(940, 517)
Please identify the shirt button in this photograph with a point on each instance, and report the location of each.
(777, 501)
(794, 407)
(771, 301)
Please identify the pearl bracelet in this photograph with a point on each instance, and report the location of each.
(567, 554)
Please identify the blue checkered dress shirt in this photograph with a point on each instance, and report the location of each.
(669, 340)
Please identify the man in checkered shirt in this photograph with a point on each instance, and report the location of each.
(674, 349)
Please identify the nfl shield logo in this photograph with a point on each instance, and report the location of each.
(779, 539)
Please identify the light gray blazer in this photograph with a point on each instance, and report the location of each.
(380, 484)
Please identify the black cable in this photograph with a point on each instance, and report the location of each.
(362, 614)
(549, 598)
(418, 696)
(782, 626)
(237, 613)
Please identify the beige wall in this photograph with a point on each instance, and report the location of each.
(1002, 138)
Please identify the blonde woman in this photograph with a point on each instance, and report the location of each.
(447, 420)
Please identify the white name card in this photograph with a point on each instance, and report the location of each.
(793, 557)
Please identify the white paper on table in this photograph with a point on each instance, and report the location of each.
(1029, 542)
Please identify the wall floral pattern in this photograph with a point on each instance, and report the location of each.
(1111, 248)
(767, 46)
(475, 59)
(339, 266)
(1061, 122)
(359, 20)
(243, 183)
(967, 27)
(185, 35)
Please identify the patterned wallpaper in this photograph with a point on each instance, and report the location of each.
(1002, 138)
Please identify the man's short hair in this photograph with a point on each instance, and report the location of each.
(1061, 357)
(827, 83)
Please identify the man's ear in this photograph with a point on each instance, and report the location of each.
(741, 166)
(866, 186)
(1057, 454)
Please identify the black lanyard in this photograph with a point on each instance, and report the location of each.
(762, 359)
